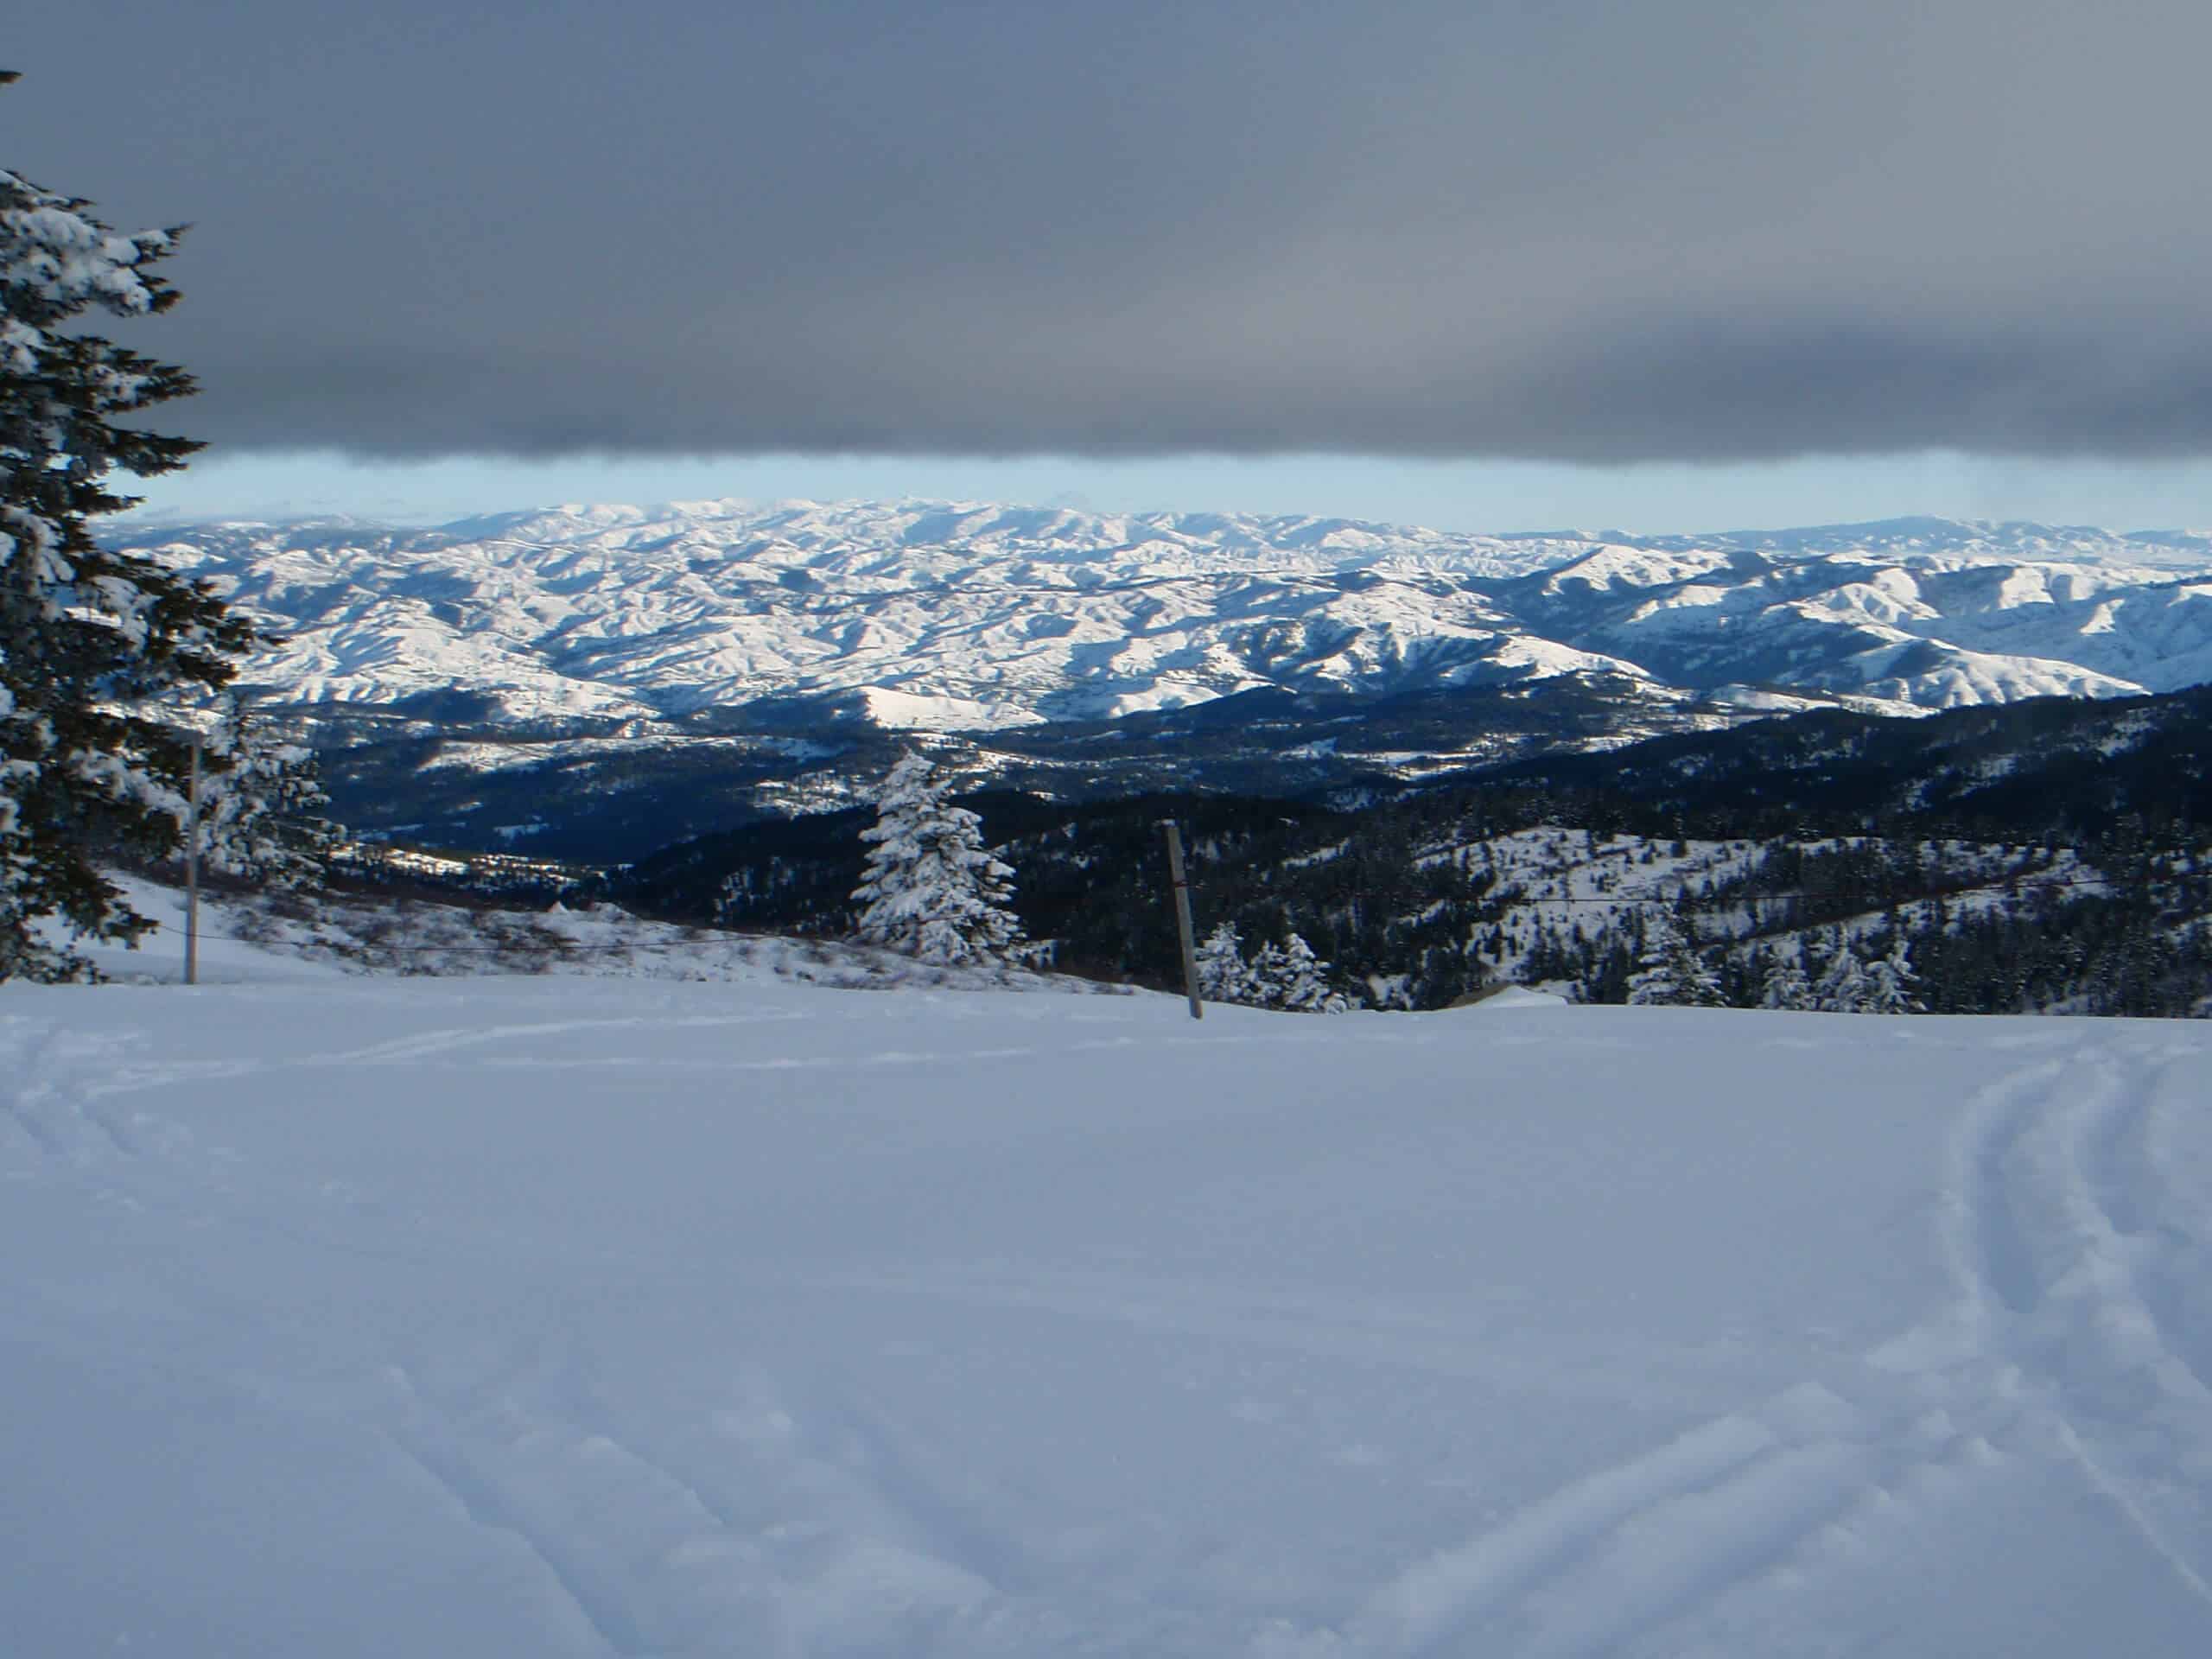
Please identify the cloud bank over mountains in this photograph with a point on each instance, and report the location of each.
(1579, 231)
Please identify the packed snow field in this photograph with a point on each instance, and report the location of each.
(568, 1316)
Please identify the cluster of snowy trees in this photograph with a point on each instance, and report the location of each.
(106, 657)
(932, 889)
(1846, 981)
(1289, 975)
(1671, 971)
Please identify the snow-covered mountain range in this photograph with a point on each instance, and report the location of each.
(934, 616)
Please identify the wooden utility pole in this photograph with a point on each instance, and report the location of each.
(1182, 886)
(191, 871)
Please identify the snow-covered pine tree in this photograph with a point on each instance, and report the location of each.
(1699, 981)
(1264, 976)
(260, 803)
(1302, 981)
(1888, 982)
(1670, 973)
(92, 642)
(932, 889)
(1224, 974)
(1785, 984)
(1651, 982)
(1842, 987)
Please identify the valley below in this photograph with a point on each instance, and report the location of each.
(594, 682)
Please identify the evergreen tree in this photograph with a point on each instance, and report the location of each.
(1842, 987)
(1302, 984)
(1224, 974)
(260, 803)
(931, 888)
(1290, 977)
(1670, 972)
(92, 642)
(1267, 978)
(1890, 983)
(1785, 984)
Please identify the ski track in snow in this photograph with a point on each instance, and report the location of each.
(2061, 1274)
(2062, 1248)
(794, 1518)
(1744, 1505)
(54, 1106)
(816, 1532)
(799, 1515)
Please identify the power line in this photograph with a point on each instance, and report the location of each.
(1882, 900)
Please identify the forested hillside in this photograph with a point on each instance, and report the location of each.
(2042, 856)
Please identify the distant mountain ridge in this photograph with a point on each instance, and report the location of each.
(952, 616)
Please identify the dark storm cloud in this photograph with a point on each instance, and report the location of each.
(1544, 229)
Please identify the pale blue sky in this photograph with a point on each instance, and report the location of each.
(1453, 495)
(1631, 262)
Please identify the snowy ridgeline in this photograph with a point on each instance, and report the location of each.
(318, 936)
(357, 1317)
(965, 617)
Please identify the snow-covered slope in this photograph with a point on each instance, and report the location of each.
(255, 937)
(929, 615)
(570, 1317)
